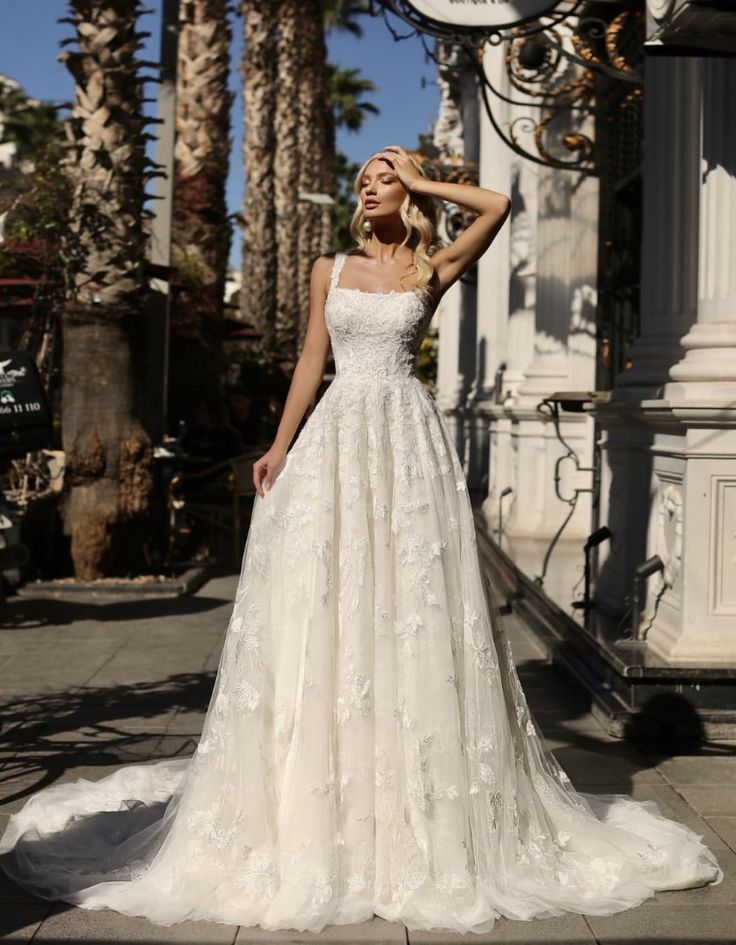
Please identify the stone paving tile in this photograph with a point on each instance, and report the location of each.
(614, 763)
(41, 674)
(175, 745)
(108, 737)
(725, 827)
(21, 923)
(567, 930)
(10, 894)
(212, 662)
(163, 718)
(31, 688)
(153, 722)
(719, 800)
(375, 931)
(135, 675)
(177, 690)
(675, 925)
(700, 769)
(561, 723)
(186, 722)
(67, 924)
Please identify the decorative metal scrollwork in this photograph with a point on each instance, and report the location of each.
(554, 60)
(457, 219)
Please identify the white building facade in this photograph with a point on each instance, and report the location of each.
(646, 462)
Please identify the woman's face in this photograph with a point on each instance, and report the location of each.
(381, 191)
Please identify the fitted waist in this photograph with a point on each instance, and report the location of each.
(366, 376)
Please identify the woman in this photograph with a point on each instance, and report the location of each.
(367, 748)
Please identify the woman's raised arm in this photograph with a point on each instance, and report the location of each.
(492, 208)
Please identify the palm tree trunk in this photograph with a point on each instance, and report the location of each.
(108, 453)
(201, 230)
(329, 175)
(287, 159)
(258, 71)
(312, 110)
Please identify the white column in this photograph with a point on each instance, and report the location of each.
(548, 348)
(493, 267)
(564, 358)
(668, 305)
(523, 272)
(708, 370)
(669, 256)
(504, 444)
(694, 474)
(492, 288)
(455, 318)
(566, 275)
(456, 136)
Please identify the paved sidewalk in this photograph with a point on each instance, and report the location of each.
(89, 687)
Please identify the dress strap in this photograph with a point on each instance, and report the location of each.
(336, 269)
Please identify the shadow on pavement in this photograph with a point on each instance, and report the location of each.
(44, 735)
(22, 613)
(595, 762)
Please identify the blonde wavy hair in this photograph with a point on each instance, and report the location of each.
(419, 216)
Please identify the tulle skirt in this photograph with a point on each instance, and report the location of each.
(368, 749)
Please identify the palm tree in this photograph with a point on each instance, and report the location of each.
(108, 452)
(313, 170)
(289, 150)
(201, 229)
(342, 15)
(286, 173)
(344, 90)
(258, 71)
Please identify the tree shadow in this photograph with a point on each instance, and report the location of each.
(22, 613)
(45, 735)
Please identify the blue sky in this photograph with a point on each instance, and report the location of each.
(406, 88)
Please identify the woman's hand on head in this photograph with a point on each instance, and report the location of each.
(404, 165)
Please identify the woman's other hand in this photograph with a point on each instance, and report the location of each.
(267, 468)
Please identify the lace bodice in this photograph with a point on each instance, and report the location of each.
(375, 334)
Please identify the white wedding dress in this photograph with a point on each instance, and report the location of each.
(367, 748)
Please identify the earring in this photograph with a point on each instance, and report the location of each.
(367, 226)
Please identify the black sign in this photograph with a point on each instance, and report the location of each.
(25, 417)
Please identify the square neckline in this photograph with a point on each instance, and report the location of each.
(337, 267)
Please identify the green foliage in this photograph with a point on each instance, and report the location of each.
(34, 227)
(40, 209)
(426, 363)
(344, 90)
(31, 124)
(37, 199)
(192, 271)
(342, 15)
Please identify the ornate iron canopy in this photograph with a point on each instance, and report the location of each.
(552, 59)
